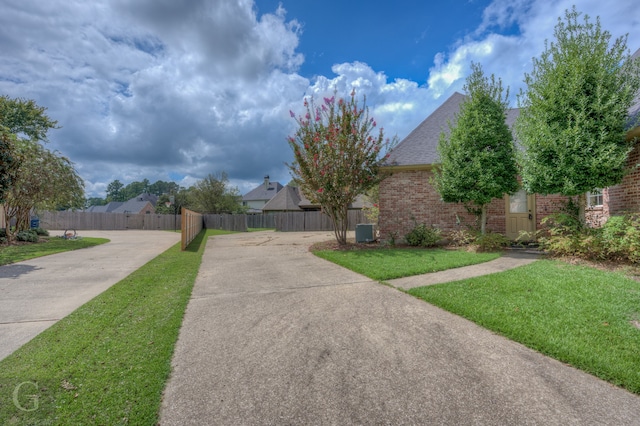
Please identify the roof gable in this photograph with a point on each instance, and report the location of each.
(287, 199)
(420, 147)
(262, 193)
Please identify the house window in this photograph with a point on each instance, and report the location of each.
(594, 198)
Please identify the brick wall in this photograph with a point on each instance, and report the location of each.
(409, 194)
(625, 197)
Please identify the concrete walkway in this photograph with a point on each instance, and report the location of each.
(511, 259)
(274, 335)
(36, 293)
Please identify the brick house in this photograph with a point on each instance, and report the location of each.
(407, 195)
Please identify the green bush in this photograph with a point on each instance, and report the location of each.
(462, 237)
(41, 232)
(617, 240)
(621, 237)
(28, 236)
(423, 236)
(491, 241)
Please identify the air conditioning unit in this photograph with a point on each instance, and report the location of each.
(365, 233)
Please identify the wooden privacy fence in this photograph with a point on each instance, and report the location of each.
(107, 221)
(261, 220)
(191, 226)
(228, 222)
(284, 221)
(314, 221)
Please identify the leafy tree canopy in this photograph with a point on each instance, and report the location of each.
(336, 156)
(574, 111)
(477, 158)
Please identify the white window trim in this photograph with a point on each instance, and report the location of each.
(594, 197)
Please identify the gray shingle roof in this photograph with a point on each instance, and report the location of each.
(261, 193)
(134, 206)
(420, 147)
(287, 199)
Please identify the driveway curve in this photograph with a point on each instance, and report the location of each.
(36, 293)
(274, 335)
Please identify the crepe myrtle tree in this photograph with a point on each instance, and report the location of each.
(575, 111)
(477, 158)
(337, 155)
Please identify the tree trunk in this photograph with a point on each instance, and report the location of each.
(582, 209)
(338, 218)
(483, 219)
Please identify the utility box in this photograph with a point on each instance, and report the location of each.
(365, 233)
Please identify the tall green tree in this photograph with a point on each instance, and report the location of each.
(114, 191)
(477, 158)
(45, 180)
(39, 178)
(336, 156)
(21, 121)
(574, 111)
(8, 161)
(214, 195)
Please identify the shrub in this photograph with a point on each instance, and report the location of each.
(618, 240)
(41, 232)
(462, 237)
(423, 236)
(28, 236)
(491, 241)
(621, 237)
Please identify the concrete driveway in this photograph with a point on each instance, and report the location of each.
(36, 293)
(275, 336)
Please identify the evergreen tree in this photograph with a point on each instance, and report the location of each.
(574, 112)
(477, 159)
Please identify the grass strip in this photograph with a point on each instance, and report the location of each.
(107, 362)
(18, 253)
(579, 315)
(389, 263)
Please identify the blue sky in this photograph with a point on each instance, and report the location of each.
(166, 89)
(399, 38)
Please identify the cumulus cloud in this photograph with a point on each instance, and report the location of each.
(177, 89)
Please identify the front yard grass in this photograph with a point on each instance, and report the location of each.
(389, 263)
(108, 361)
(53, 245)
(579, 315)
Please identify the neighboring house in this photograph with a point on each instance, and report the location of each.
(258, 197)
(408, 197)
(291, 199)
(142, 204)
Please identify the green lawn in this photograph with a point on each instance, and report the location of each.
(388, 263)
(108, 361)
(18, 253)
(579, 315)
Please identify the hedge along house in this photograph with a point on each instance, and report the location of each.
(408, 196)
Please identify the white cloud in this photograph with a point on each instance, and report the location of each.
(160, 88)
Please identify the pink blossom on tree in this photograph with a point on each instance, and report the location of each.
(336, 158)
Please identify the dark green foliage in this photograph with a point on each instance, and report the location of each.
(477, 159)
(618, 239)
(41, 232)
(423, 236)
(574, 112)
(491, 241)
(28, 236)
